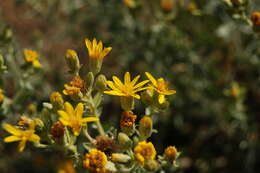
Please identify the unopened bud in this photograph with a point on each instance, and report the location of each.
(124, 141)
(151, 165)
(130, 3)
(145, 127)
(72, 61)
(167, 5)
(56, 100)
(57, 131)
(127, 122)
(89, 79)
(255, 18)
(170, 153)
(121, 158)
(100, 84)
(147, 97)
(127, 103)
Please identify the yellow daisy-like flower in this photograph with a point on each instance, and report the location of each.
(21, 135)
(73, 117)
(70, 90)
(160, 86)
(128, 88)
(96, 49)
(95, 161)
(32, 57)
(144, 151)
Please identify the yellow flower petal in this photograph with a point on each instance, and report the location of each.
(64, 121)
(141, 84)
(21, 145)
(68, 108)
(116, 93)
(161, 98)
(169, 92)
(79, 110)
(118, 82)
(64, 115)
(111, 85)
(34, 138)
(13, 130)
(135, 80)
(151, 78)
(90, 119)
(127, 78)
(12, 139)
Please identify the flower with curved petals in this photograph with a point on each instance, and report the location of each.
(128, 88)
(160, 86)
(21, 135)
(96, 49)
(31, 56)
(73, 117)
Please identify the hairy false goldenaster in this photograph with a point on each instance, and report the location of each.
(73, 117)
(160, 86)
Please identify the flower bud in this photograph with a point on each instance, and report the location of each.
(121, 158)
(147, 97)
(100, 84)
(127, 103)
(170, 153)
(127, 122)
(151, 165)
(255, 18)
(124, 141)
(167, 5)
(72, 61)
(89, 80)
(2, 66)
(56, 100)
(145, 127)
(130, 3)
(57, 131)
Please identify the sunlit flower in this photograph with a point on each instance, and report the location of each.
(130, 3)
(21, 135)
(128, 88)
(95, 161)
(160, 86)
(32, 57)
(144, 151)
(73, 117)
(96, 49)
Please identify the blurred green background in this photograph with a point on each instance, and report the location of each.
(211, 59)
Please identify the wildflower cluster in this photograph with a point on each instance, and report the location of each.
(76, 111)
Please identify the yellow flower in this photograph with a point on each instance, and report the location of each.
(160, 86)
(95, 161)
(144, 151)
(73, 118)
(70, 90)
(21, 135)
(32, 57)
(128, 88)
(96, 50)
